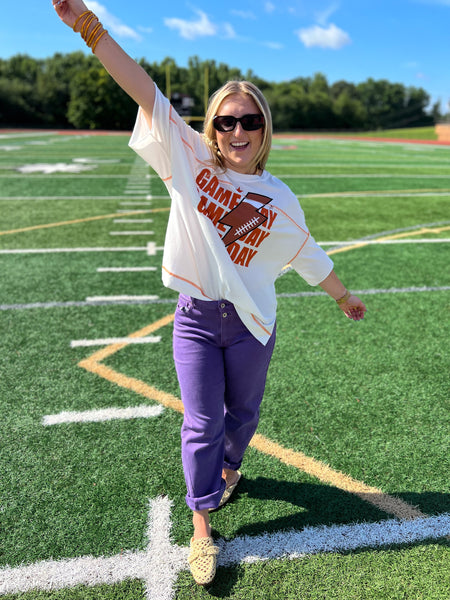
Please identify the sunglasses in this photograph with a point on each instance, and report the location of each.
(227, 123)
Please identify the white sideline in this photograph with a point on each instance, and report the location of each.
(161, 562)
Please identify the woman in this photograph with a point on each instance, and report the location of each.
(232, 228)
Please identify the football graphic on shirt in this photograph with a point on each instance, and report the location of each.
(245, 217)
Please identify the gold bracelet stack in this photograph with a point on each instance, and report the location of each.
(91, 29)
(344, 298)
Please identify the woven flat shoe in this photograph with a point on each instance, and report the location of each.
(203, 560)
(228, 492)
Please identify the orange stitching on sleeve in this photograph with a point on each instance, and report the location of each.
(301, 247)
(290, 219)
(170, 115)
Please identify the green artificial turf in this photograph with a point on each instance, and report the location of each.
(369, 399)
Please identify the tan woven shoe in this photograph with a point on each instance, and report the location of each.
(203, 560)
(228, 492)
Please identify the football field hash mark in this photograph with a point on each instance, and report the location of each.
(105, 414)
(117, 340)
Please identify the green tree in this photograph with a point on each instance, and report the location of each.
(290, 106)
(97, 102)
(53, 87)
(18, 100)
(75, 89)
(349, 111)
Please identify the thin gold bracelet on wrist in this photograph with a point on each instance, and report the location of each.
(87, 25)
(344, 298)
(84, 14)
(92, 35)
(96, 41)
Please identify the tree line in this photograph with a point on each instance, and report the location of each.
(74, 91)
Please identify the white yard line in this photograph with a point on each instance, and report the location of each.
(371, 292)
(151, 247)
(83, 303)
(74, 176)
(364, 176)
(373, 194)
(73, 250)
(140, 221)
(382, 242)
(109, 300)
(97, 198)
(125, 269)
(436, 164)
(135, 204)
(161, 562)
(132, 233)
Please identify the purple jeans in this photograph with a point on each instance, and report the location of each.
(221, 369)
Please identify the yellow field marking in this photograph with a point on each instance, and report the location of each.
(85, 220)
(311, 466)
(396, 236)
(323, 472)
(148, 330)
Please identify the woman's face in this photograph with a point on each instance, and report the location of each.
(239, 147)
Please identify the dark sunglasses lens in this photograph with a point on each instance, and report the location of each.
(252, 122)
(225, 123)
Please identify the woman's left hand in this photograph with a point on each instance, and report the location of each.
(353, 308)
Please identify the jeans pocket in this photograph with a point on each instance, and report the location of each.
(184, 304)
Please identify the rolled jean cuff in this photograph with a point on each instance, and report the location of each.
(232, 466)
(204, 502)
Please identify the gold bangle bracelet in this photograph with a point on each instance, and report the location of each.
(84, 14)
(93, 34)
(86, 26)
(344, 298)
(94, 45)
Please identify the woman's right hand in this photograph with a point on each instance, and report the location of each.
(69, 10)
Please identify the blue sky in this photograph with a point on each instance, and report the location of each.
(403, 41)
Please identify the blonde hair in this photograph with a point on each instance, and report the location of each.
(209, 133)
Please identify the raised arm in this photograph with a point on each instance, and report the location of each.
(123, 69)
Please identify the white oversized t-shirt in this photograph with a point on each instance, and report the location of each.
(229, 235)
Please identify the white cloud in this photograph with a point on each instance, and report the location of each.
(190, 30)
(324, 37)
(244, 14)
(112, 23)
(228, 31)
(323, 16)
(269, 7)
(273, 45)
